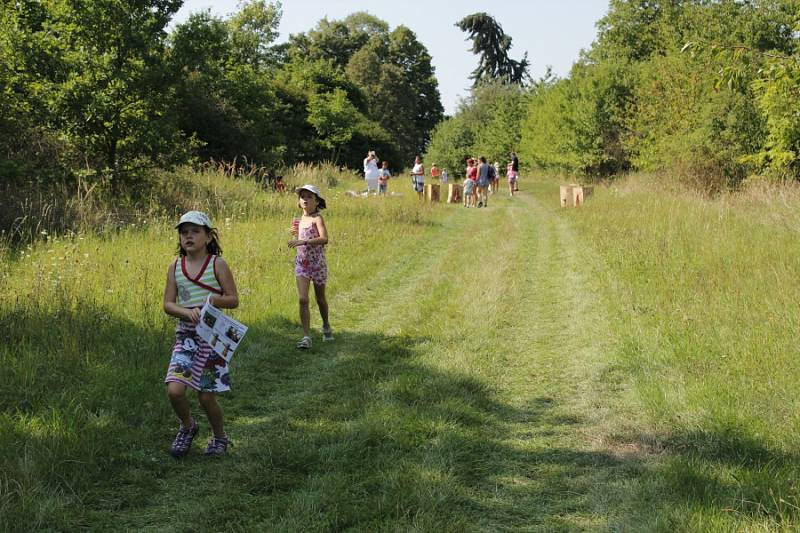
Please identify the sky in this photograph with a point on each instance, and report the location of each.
(553, 32)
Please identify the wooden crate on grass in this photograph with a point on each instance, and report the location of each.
(432, 192)
(454, 193)
(573, 195)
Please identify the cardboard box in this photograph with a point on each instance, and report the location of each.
(573, 195)
(432, 192)
(454, 193)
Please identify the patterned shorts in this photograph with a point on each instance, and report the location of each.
(195, 364)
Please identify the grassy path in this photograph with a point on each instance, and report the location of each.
(462, 393)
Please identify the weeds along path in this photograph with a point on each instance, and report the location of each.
(460, 394)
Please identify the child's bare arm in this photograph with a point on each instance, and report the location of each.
(229, 299)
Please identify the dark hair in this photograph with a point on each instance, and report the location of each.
(212, 247)
(483, 159)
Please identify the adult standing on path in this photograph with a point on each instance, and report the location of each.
(418, 176)
(515, 168)
(483, 183)
(371, 172)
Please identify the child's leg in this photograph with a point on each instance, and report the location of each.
(213, 411)
(322, 303)
(305, 315)
(180, 403)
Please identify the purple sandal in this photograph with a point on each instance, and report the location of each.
(183, 440)
(218, 446)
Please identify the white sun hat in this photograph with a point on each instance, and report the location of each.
(195, 217)
(314, 189)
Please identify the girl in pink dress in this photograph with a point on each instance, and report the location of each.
(310, 237)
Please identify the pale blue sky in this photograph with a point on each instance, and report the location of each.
(552, 31)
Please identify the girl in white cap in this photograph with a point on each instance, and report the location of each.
(198, 273)
(310, 237)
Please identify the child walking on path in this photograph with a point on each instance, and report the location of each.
(511, 174)
(383, 179)
(310, 265)
(469, 183)
(198, 274)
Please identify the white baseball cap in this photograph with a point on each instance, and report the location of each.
(195, 217)
(315, 190)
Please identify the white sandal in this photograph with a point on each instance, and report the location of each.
(304, 343)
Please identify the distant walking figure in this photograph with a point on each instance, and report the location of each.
(483, 182)
(515, 168)
(418, 176)
(371, 174)
(512, 179)
(383, 178)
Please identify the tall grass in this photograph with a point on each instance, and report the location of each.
(35, 211)
(708, 310)
(84, 333)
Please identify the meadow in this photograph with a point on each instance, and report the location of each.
(628, 365)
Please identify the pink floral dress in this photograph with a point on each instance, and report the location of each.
(310, 261)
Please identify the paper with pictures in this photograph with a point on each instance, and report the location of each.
(220, 331)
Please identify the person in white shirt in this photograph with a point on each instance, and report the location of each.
(371, 172)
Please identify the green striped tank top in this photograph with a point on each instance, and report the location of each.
(192, 292)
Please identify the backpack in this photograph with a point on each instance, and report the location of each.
(492, 173)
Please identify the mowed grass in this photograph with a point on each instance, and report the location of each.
(520, 368)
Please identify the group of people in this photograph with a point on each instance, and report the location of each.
(377, 178)
(200, 275)
(481, 178)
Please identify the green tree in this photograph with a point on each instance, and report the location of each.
(394, 71)
(337, 40)
(98, 68)
(492, 44)
(451, 144)
(487, 123)
(577, 124)
(499, 111)
(253, 29)
(334, 118)
(225, 91)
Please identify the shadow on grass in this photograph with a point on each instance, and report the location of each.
(81, 388)
(359, 433)
(721, 474)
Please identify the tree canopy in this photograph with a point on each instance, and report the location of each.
(492, 45)
(106, 91)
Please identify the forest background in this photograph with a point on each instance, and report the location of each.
(654, 389)
(101, 102)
